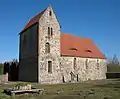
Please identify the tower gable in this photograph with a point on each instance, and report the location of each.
(36, 19)
(48, 16)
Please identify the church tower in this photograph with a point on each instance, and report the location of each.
(49, 47)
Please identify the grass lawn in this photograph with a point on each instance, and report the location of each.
(103, 89)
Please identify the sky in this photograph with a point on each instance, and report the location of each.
(95, 19)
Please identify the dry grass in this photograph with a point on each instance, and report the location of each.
(103, 89)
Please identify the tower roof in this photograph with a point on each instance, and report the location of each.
(33, 20)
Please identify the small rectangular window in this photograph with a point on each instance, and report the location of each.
(49, 66)
(86, 63)
(74, 63)
(97, 64)
(48, 32)
(50, 13)
(51, 31)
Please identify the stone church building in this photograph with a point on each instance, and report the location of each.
(47, 55)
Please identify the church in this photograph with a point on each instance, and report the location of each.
(49, 56)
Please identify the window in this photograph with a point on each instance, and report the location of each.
(77, 78)
(63, 79)
(50, 13)
(51, 31)
(86, 63)
(74, 63)
(97, 64)
(48, 32)
(49, 66)
(47, 48)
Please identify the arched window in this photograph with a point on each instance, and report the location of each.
(48, 32)
(49, 66)
(51, 31)
(47, 48)
(50, 13)
(74, 63)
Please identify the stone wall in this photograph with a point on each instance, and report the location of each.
(29, 42)
(49, 21)
(62, 67)
(34, 60)
(93, 69)
(4, 78)
(28, 69)
(90, 70)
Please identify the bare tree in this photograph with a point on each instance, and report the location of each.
(114, 61)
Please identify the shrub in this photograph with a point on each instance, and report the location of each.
(1, 68)
(113, 68)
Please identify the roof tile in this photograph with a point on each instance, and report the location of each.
(85, 47)
(34, 20)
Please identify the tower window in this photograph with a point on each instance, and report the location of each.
(50, 13)
(48, 32)
(51, 31)
(47, 48)
(49, 66)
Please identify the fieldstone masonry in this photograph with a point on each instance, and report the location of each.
(54, 41)
(62, 66)
(4, 78)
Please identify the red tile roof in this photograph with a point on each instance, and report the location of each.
(34, 20)
(80, 47)
(73, 45)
